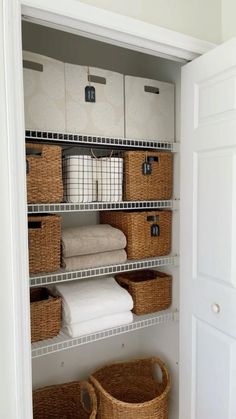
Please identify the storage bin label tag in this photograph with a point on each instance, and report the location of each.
(90, 94)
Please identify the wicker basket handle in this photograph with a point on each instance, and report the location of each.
(34, 150)
(164, 370)
(88, 399)
(125, 283)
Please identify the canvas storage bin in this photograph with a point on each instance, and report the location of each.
(151, 290)
(44, 92)
(65, 401)
(105, 116)
(78, 178)
(148, 233)
(148, 175)
(45, 314)
(44, 173)
(44, 241)
(129, 390)
(149, 109)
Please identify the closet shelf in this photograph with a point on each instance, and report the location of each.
(99, 206)
(63, 342)
(130, 265)
(91, 140)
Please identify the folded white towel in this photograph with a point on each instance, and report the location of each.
(90, 239)
(92, 326)
(92, 298)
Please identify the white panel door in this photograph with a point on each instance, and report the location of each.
(208, 237)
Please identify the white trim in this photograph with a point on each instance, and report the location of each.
(114, 28)
(15, 360)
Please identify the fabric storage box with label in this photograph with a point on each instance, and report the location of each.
(78, 178)
(149, 109)
(148, 175)
(45, 314)
(128, 390)
(108, 179)
(65, 401)
(105, 115)
(151, 290)
(44, 237)
(148, 233)
(44, 92)
(44, 173)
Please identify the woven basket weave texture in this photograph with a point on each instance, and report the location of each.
(44, 173)
(65, 401)
(44, 237)
(141, 187)
(151, 290)
(45, 314)
(137, 226)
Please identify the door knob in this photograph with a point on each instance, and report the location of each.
(215, 308)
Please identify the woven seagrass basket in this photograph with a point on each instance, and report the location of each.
(151, 290)
(140, 184)
(45, 314)
(44, 173)
(44, 236)
(76, 400)
(128, 390)
(148, 233)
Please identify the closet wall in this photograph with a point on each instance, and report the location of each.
(161, 340)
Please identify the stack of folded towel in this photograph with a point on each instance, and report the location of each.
(94, 304)
(92, 246)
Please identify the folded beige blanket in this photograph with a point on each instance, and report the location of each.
(87, 240)
(93, 261)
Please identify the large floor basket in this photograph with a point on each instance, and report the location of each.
(129, 390)
(65, 401)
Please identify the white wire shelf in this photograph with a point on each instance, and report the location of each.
(130, 265)
(99, 206)
(91, 140)
(63, 341)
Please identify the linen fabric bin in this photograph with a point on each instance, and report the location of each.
(140, 184)
(149, 109)
(69, 400)
(44, 173)
(129, 390)
(105, 116)
(44, 92)
(148, 233)
(151, 290)
(45, 314)
(44, 240)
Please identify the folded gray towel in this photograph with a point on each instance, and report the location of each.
(93, 261)
(87, 240)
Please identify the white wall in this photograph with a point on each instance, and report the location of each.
(198, 18)
(228, 19)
